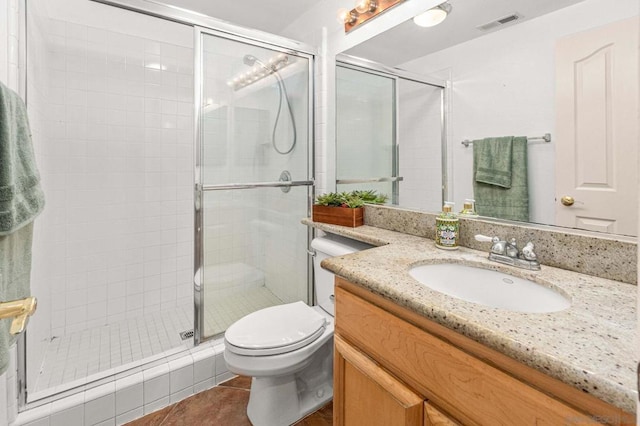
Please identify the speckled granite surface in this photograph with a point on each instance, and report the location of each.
(606, 256)
(591, 345)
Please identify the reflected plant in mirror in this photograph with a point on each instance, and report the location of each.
(512, 71)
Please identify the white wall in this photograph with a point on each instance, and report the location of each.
(114, 142)
(503, 84)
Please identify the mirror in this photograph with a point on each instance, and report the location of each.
(520, 68)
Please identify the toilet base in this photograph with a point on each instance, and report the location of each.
(283, 400)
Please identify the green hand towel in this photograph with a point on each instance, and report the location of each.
(21, 198)
(492, 161)
(506, 203)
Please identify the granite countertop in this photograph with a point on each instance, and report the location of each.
(590, 346)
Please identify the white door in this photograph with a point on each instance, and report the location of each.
(597, 128)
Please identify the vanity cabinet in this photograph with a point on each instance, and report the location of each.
(395, 367)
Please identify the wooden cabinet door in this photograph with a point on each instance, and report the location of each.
(365, 394)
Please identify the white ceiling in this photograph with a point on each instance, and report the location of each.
(266, 15)
(407, 41)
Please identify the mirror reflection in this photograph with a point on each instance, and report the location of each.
(521, 69)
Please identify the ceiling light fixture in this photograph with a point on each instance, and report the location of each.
(434, 16)
(363, 11)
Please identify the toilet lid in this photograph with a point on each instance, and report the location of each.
(277, 329)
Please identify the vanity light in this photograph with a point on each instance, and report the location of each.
(363, 11)
(363, 6)
(347, 17)
(433, 17)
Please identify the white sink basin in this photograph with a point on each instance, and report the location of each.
(489, 288)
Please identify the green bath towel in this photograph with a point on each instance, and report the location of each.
(492, 160)
(21, 200)
(497, 201)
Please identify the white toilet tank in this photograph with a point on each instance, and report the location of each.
(329, 246)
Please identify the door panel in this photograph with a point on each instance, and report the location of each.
(597, 128)
(254, 132)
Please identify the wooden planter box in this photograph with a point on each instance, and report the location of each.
(343, 216)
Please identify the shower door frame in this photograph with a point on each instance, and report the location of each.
(200, 24)
(200, 187)
(364, 65)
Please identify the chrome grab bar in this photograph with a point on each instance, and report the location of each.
(278, 184)
(369, 180)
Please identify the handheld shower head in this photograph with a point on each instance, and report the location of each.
(271, 68)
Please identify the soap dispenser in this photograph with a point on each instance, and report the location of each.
(447, 228)
(469, 209)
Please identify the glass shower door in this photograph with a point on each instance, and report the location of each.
(253, 180)
(366, 150)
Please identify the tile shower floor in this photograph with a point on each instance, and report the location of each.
(81, 357)
(223, 405)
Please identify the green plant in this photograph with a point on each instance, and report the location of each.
(371, 196)
(351, 199)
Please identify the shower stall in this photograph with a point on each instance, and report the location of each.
(176, 159)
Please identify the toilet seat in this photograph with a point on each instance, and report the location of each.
(275, 330)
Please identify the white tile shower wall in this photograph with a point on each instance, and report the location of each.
(119, 161)
(115, 240)
(420, 150)
(490, 82)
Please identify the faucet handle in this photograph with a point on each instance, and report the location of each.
(497, 247)
(528, 253)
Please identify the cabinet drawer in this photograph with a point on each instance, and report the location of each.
(467, 388)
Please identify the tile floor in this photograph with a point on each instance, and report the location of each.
(223, 405)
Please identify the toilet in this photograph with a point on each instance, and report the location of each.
(288, 349)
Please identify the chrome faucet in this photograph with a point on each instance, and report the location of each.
(507, 252)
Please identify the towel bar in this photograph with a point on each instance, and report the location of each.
(545, 138)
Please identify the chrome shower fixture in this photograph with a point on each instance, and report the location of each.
(259, 71)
